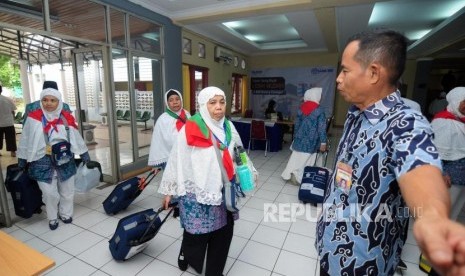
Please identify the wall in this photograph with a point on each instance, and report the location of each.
(300, 60)
(219, 73)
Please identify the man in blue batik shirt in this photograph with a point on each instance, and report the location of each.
(387, 169)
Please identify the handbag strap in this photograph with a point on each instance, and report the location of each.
(218, 155)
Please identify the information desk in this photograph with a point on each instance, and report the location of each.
(17, 258)
(273, 132)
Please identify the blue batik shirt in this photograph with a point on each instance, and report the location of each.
(362, 229)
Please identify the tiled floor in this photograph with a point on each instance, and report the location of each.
(260, 246)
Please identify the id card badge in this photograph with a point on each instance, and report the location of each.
(48, 150)
(343, 176)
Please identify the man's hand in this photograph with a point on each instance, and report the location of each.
(442, 241)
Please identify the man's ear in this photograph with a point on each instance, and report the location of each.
(375, 71)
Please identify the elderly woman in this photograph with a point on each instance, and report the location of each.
(449, 137)
(309, 135)
(193, 174)
(48, 142)
(166, 128)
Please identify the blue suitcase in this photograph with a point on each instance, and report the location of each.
(133, 233)
(25, 192)
(126, 192)
(314, 181)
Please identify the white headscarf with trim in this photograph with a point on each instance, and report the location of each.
(217, 127)
(55, 93)
(166, 100)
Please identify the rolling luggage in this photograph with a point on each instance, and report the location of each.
(126, 192)
(133, 232)
(25, 192)
(314, 181)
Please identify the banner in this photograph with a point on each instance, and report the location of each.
(287, 87)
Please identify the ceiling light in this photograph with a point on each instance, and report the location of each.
(414, 35)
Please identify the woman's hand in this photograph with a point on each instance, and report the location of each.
(323, 147)
(166, 201)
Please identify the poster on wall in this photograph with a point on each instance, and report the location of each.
(287, 86)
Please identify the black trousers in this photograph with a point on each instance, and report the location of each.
(10, 138)
(215, 245)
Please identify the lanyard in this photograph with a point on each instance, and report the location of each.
(350, 138)
(226, 143)
(52, 127)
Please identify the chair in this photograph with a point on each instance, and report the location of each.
(144, 118)
(258, 132)
(127, 116)
(248, 113)
(119, 114)
(18, 117)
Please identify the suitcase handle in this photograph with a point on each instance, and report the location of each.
(143, 182)
(146, 237)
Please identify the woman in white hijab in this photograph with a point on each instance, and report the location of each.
(193, 174)
(309, 135)
(45, 130)
(166, 128)
(449, 138)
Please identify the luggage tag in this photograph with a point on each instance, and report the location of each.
(343, 176)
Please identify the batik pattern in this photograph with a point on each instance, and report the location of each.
(362, 231)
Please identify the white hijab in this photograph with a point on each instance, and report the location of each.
(166, 100)
(217, 127)
(449, 135)
(164, 134)
(55, 93)
(454, 98)
(313, 94)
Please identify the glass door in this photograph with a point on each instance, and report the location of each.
(87, 92)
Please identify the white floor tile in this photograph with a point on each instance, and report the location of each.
(73, 266)
(305, 228)
(250, 214)
(105, 228)
(269, 236)
(59, 256)
(90, 219)
(244, 228)
(261, 255)
(127, 268)
(236, 247)
(159, 243)
(157, 267)
(61, 234)
(97, 255)
(291, 264)
(240, 268)
(38, 244)
(302, 245)
(80, 242)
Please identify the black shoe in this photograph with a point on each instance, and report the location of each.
(53, 224)
(401, 265)
(182, 263)
(68, 220)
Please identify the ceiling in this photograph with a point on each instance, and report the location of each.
(435, 28)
